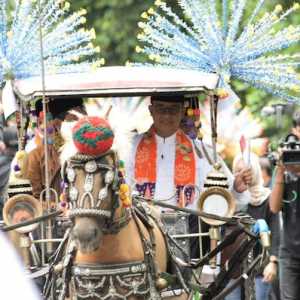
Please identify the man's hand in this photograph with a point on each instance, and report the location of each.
(270, 272)
(242, 179)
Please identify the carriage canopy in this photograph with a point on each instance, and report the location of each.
(117, 81)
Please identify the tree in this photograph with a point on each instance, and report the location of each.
(116, 28)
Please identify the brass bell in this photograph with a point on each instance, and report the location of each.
(161, 283)
(216, 178)
(216, 197)
(58, 268)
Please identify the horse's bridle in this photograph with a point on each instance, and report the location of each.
(91, 165)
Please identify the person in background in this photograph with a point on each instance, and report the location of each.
(266, 170)
(285, 197)
(8, 148)
(259, 208)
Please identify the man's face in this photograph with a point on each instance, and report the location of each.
(166, 117)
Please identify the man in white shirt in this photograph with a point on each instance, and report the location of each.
(164, 163)
(157, 159)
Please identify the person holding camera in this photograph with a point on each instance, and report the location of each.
(285, 196)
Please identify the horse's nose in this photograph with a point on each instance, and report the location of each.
(85, 231)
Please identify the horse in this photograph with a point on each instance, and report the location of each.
(117, 251)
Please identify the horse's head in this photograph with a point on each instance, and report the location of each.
(92, 184)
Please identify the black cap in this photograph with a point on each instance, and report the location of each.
(169, 98)
(59, 106)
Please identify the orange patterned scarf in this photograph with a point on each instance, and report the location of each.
(185, 166)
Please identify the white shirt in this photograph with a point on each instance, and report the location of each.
(165, 162)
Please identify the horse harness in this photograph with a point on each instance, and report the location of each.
(90, 165)
(107, 281)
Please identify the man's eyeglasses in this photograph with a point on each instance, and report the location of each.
(171, 110)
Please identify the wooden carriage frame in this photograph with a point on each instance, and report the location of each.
(115, 82)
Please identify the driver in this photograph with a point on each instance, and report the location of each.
(164, 163)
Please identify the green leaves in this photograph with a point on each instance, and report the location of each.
(116, 28)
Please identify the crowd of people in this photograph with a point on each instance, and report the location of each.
(164, 160)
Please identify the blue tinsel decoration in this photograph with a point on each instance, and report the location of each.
(213, 41)
(66, 43)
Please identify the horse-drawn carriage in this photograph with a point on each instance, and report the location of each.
(115, 247)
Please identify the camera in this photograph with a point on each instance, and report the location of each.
(290, 148)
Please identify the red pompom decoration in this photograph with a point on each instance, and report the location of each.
(92, 136)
